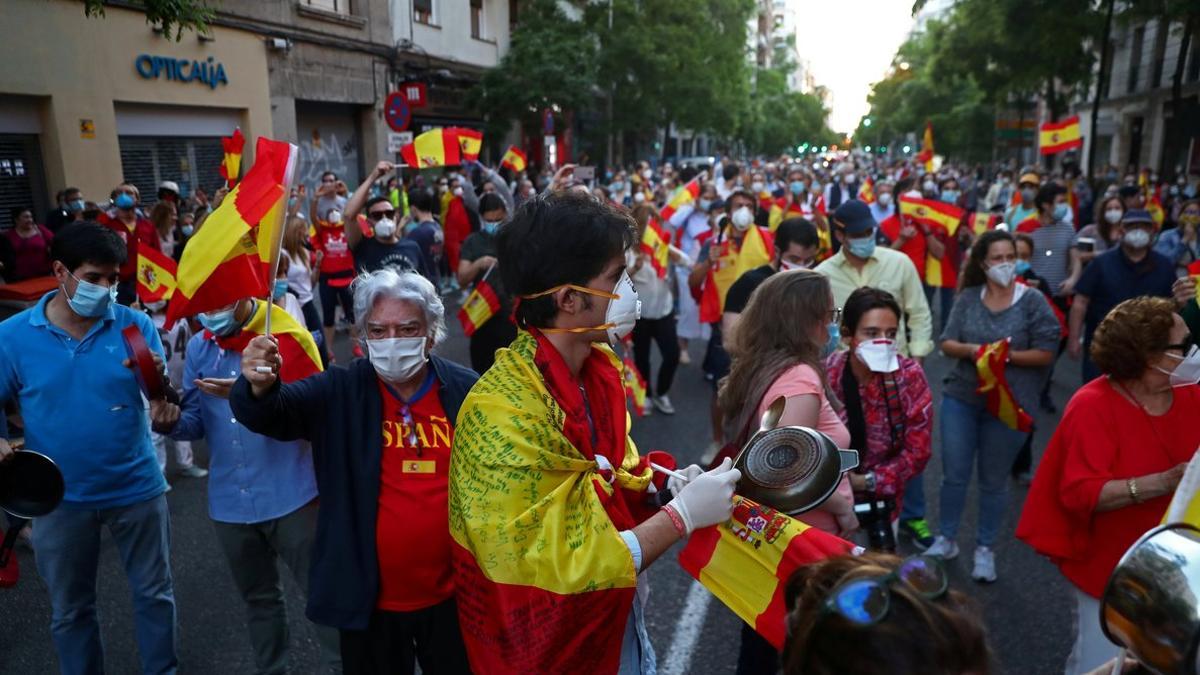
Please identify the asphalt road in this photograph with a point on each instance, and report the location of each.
(1027, 612)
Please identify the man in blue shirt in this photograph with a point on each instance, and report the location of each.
(261, 492)
(426, 233)
(63, 361)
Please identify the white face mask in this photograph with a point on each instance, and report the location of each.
(1137, 238)
(624, 311)
(879, 355)
(335, 216)
(397, 359)
(458, 192)
(385, 228)
(647, 174)
(788, 266)
(1002, 273)
(639, 197)
(756, 186)
(1113, 216)
(742, 218)
(1188, 370)
(885, 198)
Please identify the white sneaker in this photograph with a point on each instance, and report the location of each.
(985, 565)
(663, 404)
(945, 549)
(193, 471)
(648, 406)
(710, 454)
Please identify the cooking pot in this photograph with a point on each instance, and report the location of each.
(31, 486)
(1150, 605)
(791, 469)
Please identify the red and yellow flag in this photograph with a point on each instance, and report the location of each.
(926, 154)
(939, 272)
(437, 147)
(479, 307)
(155, 275)
(780, 211)
(222, 262)
(1054, 137)
(982, 221)
(866, 191)
(990, 362)
(296, 345)
(734, 261)
(470, 141)
(656, 244)
(514, 159)
(231, 165)
(635, 386)
(683, 196)
(747, 561)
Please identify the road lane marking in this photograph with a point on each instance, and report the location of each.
(687, 631)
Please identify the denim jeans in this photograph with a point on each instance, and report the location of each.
(66, 546)
(913, 504)
(946, 302)
(968, 432)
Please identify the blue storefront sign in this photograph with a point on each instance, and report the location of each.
(181, 70)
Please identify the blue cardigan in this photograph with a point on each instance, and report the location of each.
(340, 411)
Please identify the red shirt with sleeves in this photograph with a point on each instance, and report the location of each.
(892, 470)
(1103, 437)
(141, 234)
(913, 248)
(337, 264)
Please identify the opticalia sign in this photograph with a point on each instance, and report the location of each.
(181, 70)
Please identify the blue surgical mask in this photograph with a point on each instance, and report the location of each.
(1022, 266)
(705, 204)
(187, 230)
(1060, 212)
(950, 196)
(796, 186)
(291, 202)
(617, 186)
(75, 205)
(862, 247)
(222, 324)
(281, 288)
(123, 201)
(490, 226)
(835, 339)
(91, 300)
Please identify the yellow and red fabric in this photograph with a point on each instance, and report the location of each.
(866, 192)
(155, 275)
(480, 306)
(656, 244)
(514, 159)
(747, 561)
(781, 210)
(734, 261)
(1055, 137)
(470, 141)
(544, 582)
(683, 196)
(990, 362)
(635, 385)
(943, 220)
(222, 262)
(296, 345)
(231, 164)
(926, 154)
(436, 147)
(1194, 272)
(982, 221)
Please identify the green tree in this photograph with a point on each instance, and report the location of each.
(776, 119)
(173, 16)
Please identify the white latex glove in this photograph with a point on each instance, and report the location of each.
(707, 500)
(692, 472)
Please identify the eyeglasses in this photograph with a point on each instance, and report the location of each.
(836, 316)
(376, 215)
(866, 602)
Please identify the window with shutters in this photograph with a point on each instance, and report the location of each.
(21, 182)
(1135, 58)
(337, 6)
(477, 19)
(423, 12)
(193, 163)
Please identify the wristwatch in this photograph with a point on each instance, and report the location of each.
(869, 481)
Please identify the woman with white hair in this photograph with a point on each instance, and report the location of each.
(381, 430)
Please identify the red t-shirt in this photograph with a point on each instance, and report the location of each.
(337, 267)
(142, 233)
(913, 248)
(1029, 225)
(1103, 437)
(412, 531)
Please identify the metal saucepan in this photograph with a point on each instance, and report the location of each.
(31, 486)
(791, 469)
(1150, 605)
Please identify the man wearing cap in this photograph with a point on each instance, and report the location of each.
(1123, 272)
(1019, 213)
(861, 263)
(168, 191)
(134, 230)
(1131, 197)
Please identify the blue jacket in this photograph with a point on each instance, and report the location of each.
(341, 411)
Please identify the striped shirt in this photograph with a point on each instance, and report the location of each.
(1052, 253)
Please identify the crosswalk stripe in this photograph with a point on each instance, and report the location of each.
(687, 631)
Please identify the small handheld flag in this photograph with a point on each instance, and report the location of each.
(656, 244)
(231, 165)
(684, 196)
(1055, 137)
(480, 306)
(155, 275)
(438, 147)
(514, 159)
(866, 192)
(990, 362)
(470, 142)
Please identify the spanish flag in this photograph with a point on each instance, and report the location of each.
(438, 147)
(990, 362)
(684, 195)
(656, 244)
(1154, 206)
(635, 386)
(155, 275)
(232, 163)
(781, 211)
(982, 221)
(734, 261)
(470, 141)
(1194, 272)
(1185, 503)
(746, 562)
(866, 192)
(479, 307)
(939, 272)
(926, 154)
(1055, 137)
(222, 263)
(296, 345)
(514, 159)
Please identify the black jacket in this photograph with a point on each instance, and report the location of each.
(341, 412)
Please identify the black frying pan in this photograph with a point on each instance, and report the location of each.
(31, 486)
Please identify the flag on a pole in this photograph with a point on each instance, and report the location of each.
(990, 362)
(155, 275)
(746, 562)
(222, 263)
(514, 159)
(939, 273)
(296, 345)
(926, 154)
(684, 195)
(1055, 137)
(982, 221)
(656, 244)
(635, 386)
(470, 141)
(437, 147)
(479, 307)
(734, 261)
(866, 191)
(231, 165)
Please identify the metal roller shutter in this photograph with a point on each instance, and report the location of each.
(146, 161)
(21, 180)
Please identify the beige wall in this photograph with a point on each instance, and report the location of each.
(77, 67)
(450, 35)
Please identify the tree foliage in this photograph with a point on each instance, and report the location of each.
(173, 16)
(776, 119)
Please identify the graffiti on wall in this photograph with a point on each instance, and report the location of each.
(319, 154)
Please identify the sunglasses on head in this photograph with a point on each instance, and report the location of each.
(376, 215)
(866, 601)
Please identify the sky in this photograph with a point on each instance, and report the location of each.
(849, 45)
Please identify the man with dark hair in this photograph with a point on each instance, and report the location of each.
(327, 201)
(385, 248)
(64, 361)
(477, 260)
(425, 231)
(542, 457)
(70, 203)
